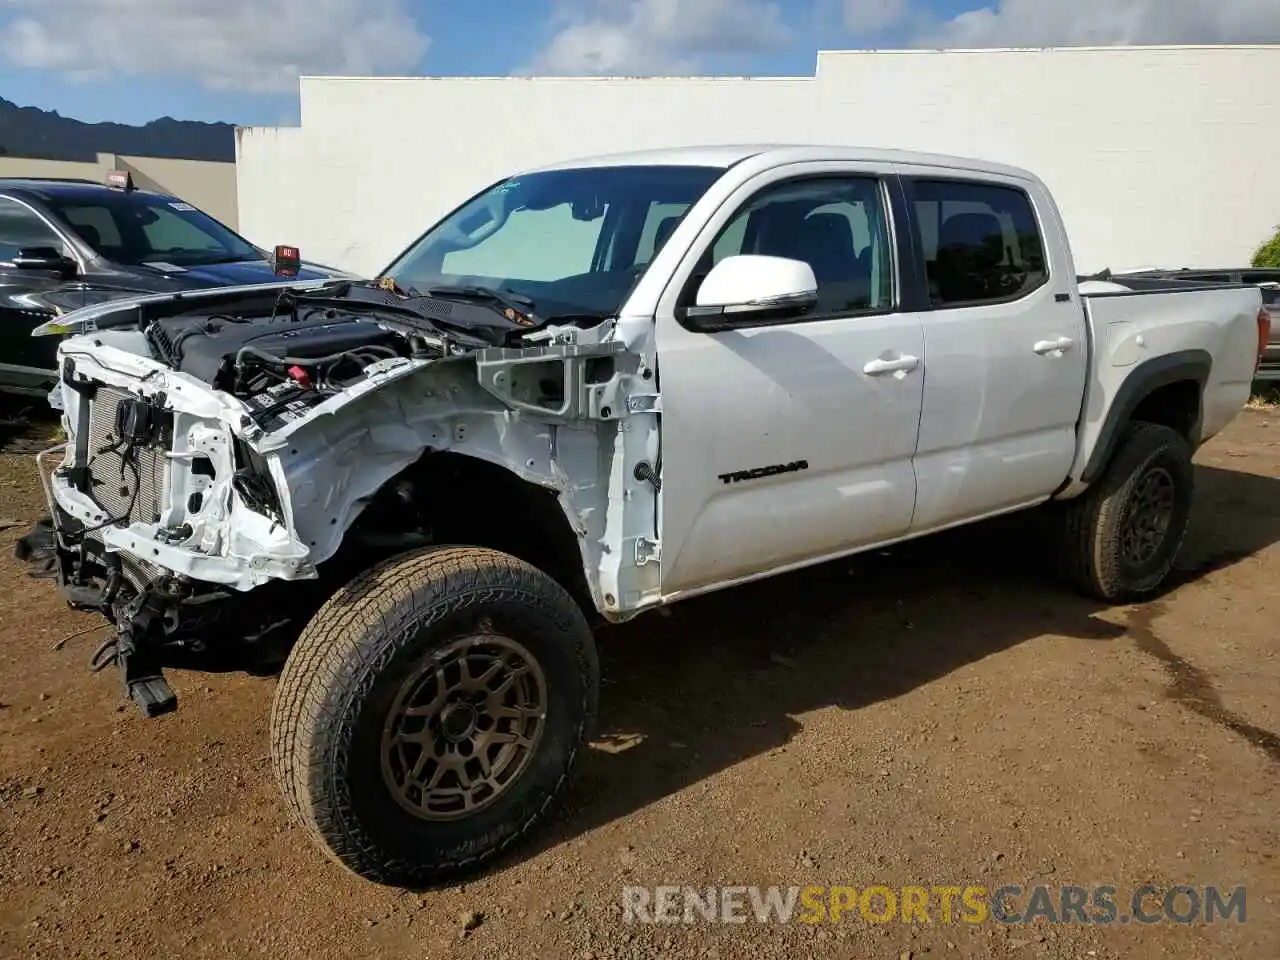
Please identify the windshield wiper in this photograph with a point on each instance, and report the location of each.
(387, 307)
(229, 258)
(513, 301)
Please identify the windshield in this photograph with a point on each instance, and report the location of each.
(137, 228)
(574, 242)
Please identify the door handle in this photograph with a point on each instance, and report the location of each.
(1061, 345)
(902, 364)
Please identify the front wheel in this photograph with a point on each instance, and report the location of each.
(431, 711)
(1121, 538)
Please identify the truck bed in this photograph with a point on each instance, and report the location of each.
(1267, 279)
(1194, 329)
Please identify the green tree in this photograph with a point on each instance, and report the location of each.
(1268, 254)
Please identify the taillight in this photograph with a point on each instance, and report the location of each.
(1264, 332)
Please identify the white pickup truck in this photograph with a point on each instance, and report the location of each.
(595, 389)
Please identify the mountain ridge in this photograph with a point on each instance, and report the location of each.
(47, 135)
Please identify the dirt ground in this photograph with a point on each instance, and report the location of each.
(943, 714)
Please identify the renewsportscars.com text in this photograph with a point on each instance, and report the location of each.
(1010, 904)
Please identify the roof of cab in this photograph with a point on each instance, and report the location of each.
(726, 155)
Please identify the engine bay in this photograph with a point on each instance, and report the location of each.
(245, 356)
(320, 341)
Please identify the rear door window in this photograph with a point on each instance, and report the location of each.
(981, 242)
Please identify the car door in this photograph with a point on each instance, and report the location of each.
(789, 441)
(1004, 333)
(29, 296)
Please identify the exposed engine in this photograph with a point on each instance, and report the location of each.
(246, 356)
(305, 345)
(278, 366)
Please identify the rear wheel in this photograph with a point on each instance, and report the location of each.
(431, 711)
(1122, 537)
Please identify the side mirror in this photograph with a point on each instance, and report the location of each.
(44, 258)
(753, 288)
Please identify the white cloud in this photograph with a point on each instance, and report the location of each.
(1104, 22)
(247, 45)
(874, 16)
(657, 36)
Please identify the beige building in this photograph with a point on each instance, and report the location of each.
(208, 185)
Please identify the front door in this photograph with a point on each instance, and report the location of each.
(27, 299)
(790, 442)
(1005, 336)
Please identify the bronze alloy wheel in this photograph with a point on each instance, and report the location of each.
(432, 710)
(464, 727)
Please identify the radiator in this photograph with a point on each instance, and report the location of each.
(111, 479)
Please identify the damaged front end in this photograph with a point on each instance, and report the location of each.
(223, 471)
(158, 520)
(159, 619)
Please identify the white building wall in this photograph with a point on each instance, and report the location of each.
(1158, 156)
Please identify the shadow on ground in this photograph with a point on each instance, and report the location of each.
(723, 676)
(27, 424)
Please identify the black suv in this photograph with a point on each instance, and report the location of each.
(66, 244)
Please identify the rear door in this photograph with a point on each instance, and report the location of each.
(1005, 341)
(791, 440)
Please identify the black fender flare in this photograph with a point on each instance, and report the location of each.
(1146, 378)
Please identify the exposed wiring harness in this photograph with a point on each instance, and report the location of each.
(320, 369)
(128, 458)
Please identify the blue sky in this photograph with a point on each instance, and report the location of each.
(238, 60)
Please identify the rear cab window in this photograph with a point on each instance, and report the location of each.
(980, 242)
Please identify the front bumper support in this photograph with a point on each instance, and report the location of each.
(47, 555)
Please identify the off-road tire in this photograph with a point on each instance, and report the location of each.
(341, 678)
(1093, 524)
